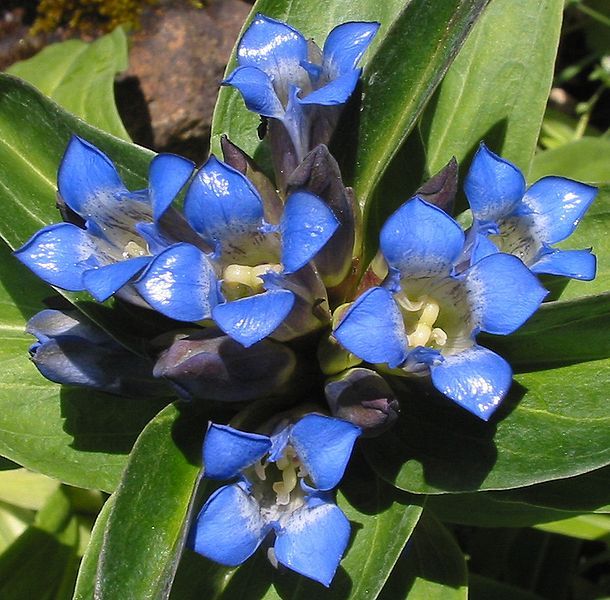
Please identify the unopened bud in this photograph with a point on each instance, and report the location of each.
(364, 398)
(212, 366)
(441, 188)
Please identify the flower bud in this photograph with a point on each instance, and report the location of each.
(319, 174)
(441, 188)
(212, 366)
(364, 398)
(72, 350)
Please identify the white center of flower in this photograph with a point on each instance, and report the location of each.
(133, 250)
(276, 484)
(420, 316)
(239, 281)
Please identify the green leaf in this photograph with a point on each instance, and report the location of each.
(400, 79)
(431, 567)
(85, 582)
(13, 522)
(583, 527)
(78, 436)
(490, 509)
(382, 521)
(34, 133)
(585, 159)
(80, 77)
(231, 116)
(42, 560)
(147, 524)
(589, 492)
(544, 430)
(527, 506)
(25, 489)
(497, 88)
(558, 333)
(485, 588)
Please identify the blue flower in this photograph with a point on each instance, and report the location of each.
(424, 317)
(71, 350)
(281, 75)
(527, 222)
(248, 275)
(284, 486)
(119, 226)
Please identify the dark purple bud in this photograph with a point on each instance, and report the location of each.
(440, 190)
(239, 160)
(283, 153)
(362, 397)
(319, 174)
(72, 350)
(210, 365)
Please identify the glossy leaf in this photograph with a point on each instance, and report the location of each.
(484, 509)
(78, 436)
(139, 555)
(535, 436)
(34, 133)
(431, 567)
(558, 333)
(382, 520)
(402, 76)
(585, 159)
(85, 581)
(80, 77)
(497, 88)
(231, 116)
(583, 527)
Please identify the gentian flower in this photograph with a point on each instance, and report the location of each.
(255, 276)
(283, 77)
(424, 317)
(527, 222)
(112, 245)
(284, 484)
(72, 350)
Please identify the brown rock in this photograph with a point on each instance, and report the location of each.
(177, 61)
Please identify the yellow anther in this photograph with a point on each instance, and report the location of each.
(133, 249)
(420, 336)
(237, 274)
(430, 313)
(259, 469)
(439, 337)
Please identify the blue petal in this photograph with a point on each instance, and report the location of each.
(345, 46)
(335, 92)
(272, 46)
(249, 320)
(502, 293)
(180, 283)
(557, 205)
(257, 90)
(494, 187)
(59, 254)
(227, 451)
(373, 329)
(222, 204)
(104, 281)
(307, 224)
(577, 264)
(481, 248)
(86, 176)
(155, 240)
(166, 177)
(476, 378)
(229, 527)
(313, 540)
(49, 323)
(421, 240)
(324, 445)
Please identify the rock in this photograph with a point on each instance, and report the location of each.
(177, 60)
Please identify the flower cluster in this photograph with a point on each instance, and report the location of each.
(253, 283)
